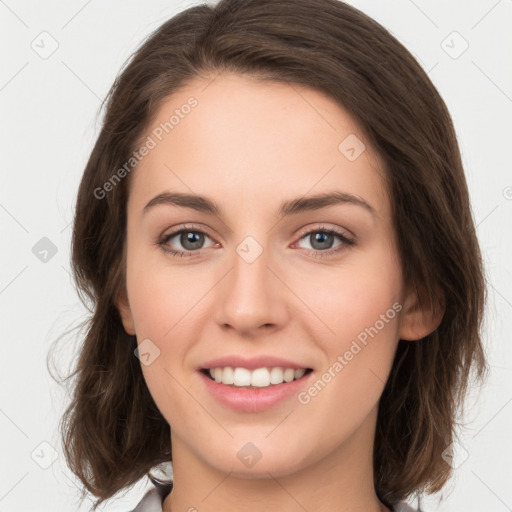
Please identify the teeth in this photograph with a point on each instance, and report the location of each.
(228, 375)
(260, 377)
(288, 374)
(241, 377)
(299, 373)
(276, 375)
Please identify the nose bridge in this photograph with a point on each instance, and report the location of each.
(251, 295)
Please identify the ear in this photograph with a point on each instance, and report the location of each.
(125, 313)
(419, 319)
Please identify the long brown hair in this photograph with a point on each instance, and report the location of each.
(113, 433)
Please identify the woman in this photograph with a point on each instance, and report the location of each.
(273, 372)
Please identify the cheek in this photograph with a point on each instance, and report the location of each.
(165, 304)
(169, 305)
(361, 309)
(343, 301)
(164, 298)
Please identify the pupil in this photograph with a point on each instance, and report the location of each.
(191, 237)
(321, 237)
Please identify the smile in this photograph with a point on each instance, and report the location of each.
(254, 390)
(258, 378)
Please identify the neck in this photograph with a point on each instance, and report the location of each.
(340, 482)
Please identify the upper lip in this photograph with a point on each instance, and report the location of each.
(236, 361)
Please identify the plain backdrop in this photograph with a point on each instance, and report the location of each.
(49, 105)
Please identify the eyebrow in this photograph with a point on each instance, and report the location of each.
(290, 207)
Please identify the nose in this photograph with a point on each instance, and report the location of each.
(252, 298)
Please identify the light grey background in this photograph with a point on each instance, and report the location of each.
(48, 125)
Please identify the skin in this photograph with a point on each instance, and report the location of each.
(250, 145)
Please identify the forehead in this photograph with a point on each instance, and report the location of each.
(236, 138)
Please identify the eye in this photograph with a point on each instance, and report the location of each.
(321, 241)
(192, 239)
(189, 238)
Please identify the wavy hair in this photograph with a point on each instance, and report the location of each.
(112, 431)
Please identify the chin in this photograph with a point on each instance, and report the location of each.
(248, 461)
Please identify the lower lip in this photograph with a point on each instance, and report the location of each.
(253, 400)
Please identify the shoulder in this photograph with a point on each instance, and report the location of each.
(403, 507)
(153, 500)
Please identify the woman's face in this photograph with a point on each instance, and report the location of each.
(257, 280)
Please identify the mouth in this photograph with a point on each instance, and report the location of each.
(264, 377)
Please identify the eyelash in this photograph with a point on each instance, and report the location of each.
(316, 253)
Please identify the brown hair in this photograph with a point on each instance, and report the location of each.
(113, 433)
